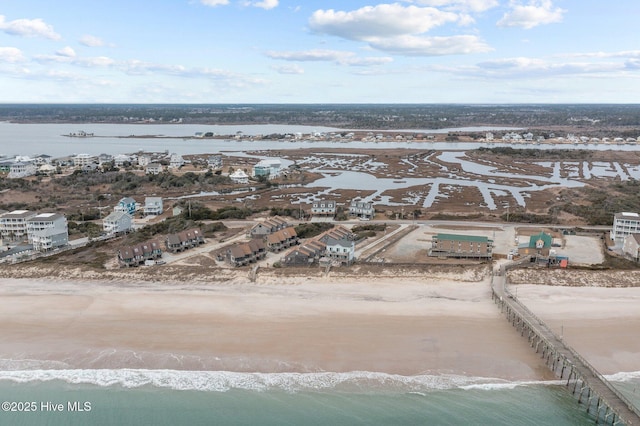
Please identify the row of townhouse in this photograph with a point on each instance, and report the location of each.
(281, 239)
(245, 253)
(45, 231)
(337, 244)
(184, 240)
(139, 254)
(269, 226)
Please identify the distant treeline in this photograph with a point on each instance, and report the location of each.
(352, 116)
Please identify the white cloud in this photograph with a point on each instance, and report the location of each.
(527, 68)
(289, 69)
(431, 46)
(383, 20)
(28, 28)
(336, 56)
(67, 52)
(264, 4)
(536, 12)
(214, 3)
(465, 5)
(11, 54)
(91, 41)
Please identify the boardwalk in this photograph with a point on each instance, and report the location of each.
(606, 403)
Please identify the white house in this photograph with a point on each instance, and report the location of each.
(120, 159)
(631, 246)
(239, 176)
(153, 206)
(21, 169)
(47, 231)
(116, 223)
(176, 161)
(624, 224)
(144, 160)
(83, 159)
(13, 225)
(154, 168)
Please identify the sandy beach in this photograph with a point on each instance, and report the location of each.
(602, 324)
(406, 325)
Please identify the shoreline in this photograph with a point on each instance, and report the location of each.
(402, 327)
(408, 326)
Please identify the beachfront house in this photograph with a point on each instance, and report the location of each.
(625, 223)
(47, 231)
(139, 254)
(461, 246)
(184, 240)
(245, 253)
(153, 206)
(117, 223)
(13, 225)
(538, 245)
(305, 254)
(281, 239)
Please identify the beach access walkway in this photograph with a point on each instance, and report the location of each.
(602, 400)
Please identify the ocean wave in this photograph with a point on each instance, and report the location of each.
(222, 381)
(623, 376)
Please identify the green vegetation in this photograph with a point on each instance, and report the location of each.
(309, 230)
(563, 154)
(197, 211)
(602, 204)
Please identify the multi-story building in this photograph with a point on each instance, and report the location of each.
(153, 206)
(461, 246)
(269, 168)
(361, 209)
(325, 208)
(624, 224)
(47, 231)
(81, 160)
(13, 225)
(117, 223)
(127, 205)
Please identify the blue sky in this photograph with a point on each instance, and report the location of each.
(295, 51)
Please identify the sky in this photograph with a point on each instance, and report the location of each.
(310, 51)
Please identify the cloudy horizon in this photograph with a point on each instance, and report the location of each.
(281, 51)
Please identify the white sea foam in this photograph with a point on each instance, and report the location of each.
(623, 376)
(221, 381)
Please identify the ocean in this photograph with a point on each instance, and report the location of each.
(170, 397)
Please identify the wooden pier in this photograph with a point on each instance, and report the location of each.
(601, 399)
